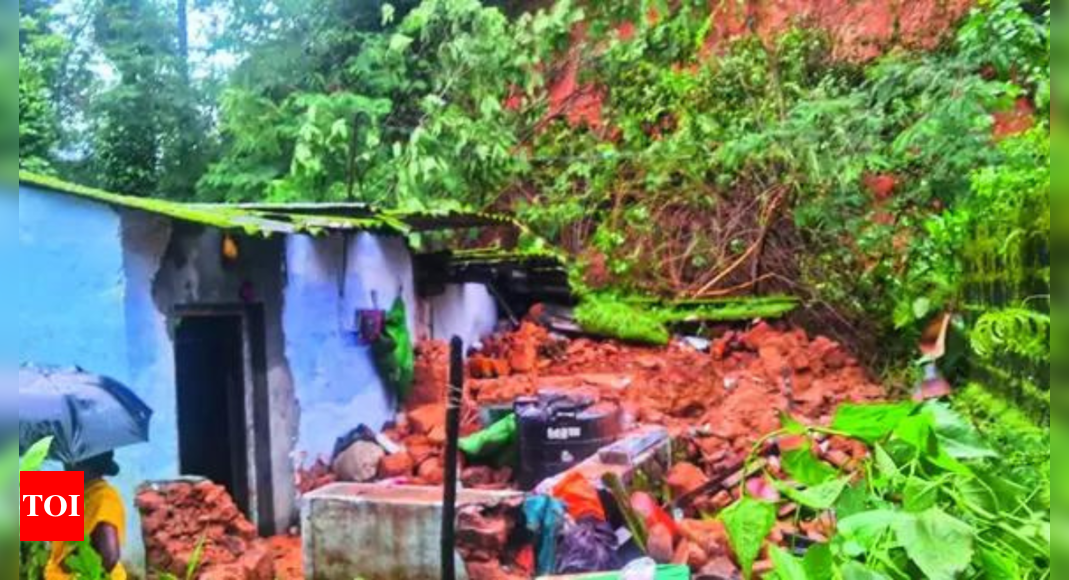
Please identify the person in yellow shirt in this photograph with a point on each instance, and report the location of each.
(105, 521)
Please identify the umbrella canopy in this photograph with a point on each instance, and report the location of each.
(86, 414)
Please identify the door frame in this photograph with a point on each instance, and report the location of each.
(257, 402)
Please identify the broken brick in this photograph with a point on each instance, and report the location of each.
(397, 465)
(426, 419)
(686, 478)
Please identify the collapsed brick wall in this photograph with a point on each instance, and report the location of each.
(733, 395)
(177, 517)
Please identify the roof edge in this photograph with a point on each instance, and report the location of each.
(268, 219)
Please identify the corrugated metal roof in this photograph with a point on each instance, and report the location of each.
(268, 219)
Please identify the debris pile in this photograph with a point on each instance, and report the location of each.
(431, 375)
(725, 399)
(418, 459)
(320, 474)
(716, 399)
(288, 558)
(492, 542)
(179, 517)
(719, 401)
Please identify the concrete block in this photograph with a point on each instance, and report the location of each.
(378, 532)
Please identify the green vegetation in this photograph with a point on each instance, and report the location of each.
(1024, 446)
(421, 121)
(932, 501)
(194, 563)
(607, 316)
(700, 186)
(766, 167)
(33, 556)
(651, 321)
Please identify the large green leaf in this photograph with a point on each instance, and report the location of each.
(979, 497)
(871, 423)
(862, 532)
(853, 501)
(819, 563)
(857, 571)
(940, 545)
(85, 563)
(998, 566)
(36, 455)
(919, 495)
(821, 497)
(918, 432)
(1008, 495)
(885, 463)
(957, 436)
(787, 567)
(748, 523)
(804, 467)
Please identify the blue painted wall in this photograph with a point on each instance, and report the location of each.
(336, 385)
(9, 308)
(95, 285)
(89, 331)
(79, 297)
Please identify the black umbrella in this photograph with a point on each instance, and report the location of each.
(85, 414)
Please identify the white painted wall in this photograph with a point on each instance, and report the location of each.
(465, 310)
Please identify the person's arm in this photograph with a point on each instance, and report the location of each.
(105, 540)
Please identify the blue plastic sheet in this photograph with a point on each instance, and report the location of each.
(588, 546)
(545, 517)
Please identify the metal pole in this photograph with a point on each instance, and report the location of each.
(452, 426)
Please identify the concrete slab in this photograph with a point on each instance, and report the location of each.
(376, 532)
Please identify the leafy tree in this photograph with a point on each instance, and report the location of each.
(409, 112)
(128, 118)
(40, 55)
(768, 167)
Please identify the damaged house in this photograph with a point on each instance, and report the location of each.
(243, 327)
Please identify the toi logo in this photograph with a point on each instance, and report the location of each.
(52, 506)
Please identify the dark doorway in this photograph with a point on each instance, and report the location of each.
(210, 362)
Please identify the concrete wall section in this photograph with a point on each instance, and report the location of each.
(336, 384)
(193, 274)
(84, 298)
(150, 360)
(381, 533)
(465, 310)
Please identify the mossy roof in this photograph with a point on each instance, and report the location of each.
(271, 219)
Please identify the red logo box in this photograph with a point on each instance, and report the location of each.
(52, 506)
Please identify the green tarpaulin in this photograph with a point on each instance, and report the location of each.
(395, 357)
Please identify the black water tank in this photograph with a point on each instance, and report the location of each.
(558, 431)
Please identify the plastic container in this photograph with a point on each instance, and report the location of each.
(557, 432)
